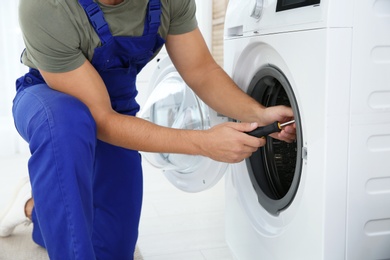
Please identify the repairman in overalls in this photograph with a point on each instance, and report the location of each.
(76, 108)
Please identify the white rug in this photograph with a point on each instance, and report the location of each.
(19, 246)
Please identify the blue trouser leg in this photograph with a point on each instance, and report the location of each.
(106, 242)
(62, 137)
(117, 200)
(87, 194)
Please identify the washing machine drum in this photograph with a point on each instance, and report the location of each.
(275, 169)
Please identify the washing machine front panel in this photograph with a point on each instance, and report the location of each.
(322, 95)
(172, 103)
(258, 55)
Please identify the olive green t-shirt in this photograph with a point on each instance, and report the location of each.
(59, 36)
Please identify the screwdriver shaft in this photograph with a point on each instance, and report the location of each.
(269, 129)
(287, 123)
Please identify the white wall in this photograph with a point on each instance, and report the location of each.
(204, 15)
(11, 46)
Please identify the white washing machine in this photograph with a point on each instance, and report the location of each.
(326, 196)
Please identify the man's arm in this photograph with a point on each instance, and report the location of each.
(194, 62)
(225, 142)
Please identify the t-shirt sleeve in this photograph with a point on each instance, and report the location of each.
(51, 39)
(183, 16)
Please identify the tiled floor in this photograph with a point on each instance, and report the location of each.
(175, 225)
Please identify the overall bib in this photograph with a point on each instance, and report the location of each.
(87, 193)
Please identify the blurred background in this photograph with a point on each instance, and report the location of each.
(11, 47)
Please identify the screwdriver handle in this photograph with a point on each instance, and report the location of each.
(265, 130)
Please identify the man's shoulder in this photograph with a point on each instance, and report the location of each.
(51, 6)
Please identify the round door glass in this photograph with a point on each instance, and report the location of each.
(173, 104)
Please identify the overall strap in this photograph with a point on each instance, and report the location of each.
(96, 18)
(152, 19)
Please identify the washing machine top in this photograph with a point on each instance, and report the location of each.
(172, 103)
(248, 17)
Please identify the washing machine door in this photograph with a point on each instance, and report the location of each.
(171, 103)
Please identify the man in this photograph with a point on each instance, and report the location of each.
(76, 108)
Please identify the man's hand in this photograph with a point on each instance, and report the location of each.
(228, 142)
(281, 114)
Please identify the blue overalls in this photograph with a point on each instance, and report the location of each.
(87, 193)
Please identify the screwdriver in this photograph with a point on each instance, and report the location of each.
(269, 129)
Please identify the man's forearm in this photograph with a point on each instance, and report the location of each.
(220, 92)
(138, 134)
(225, 142)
